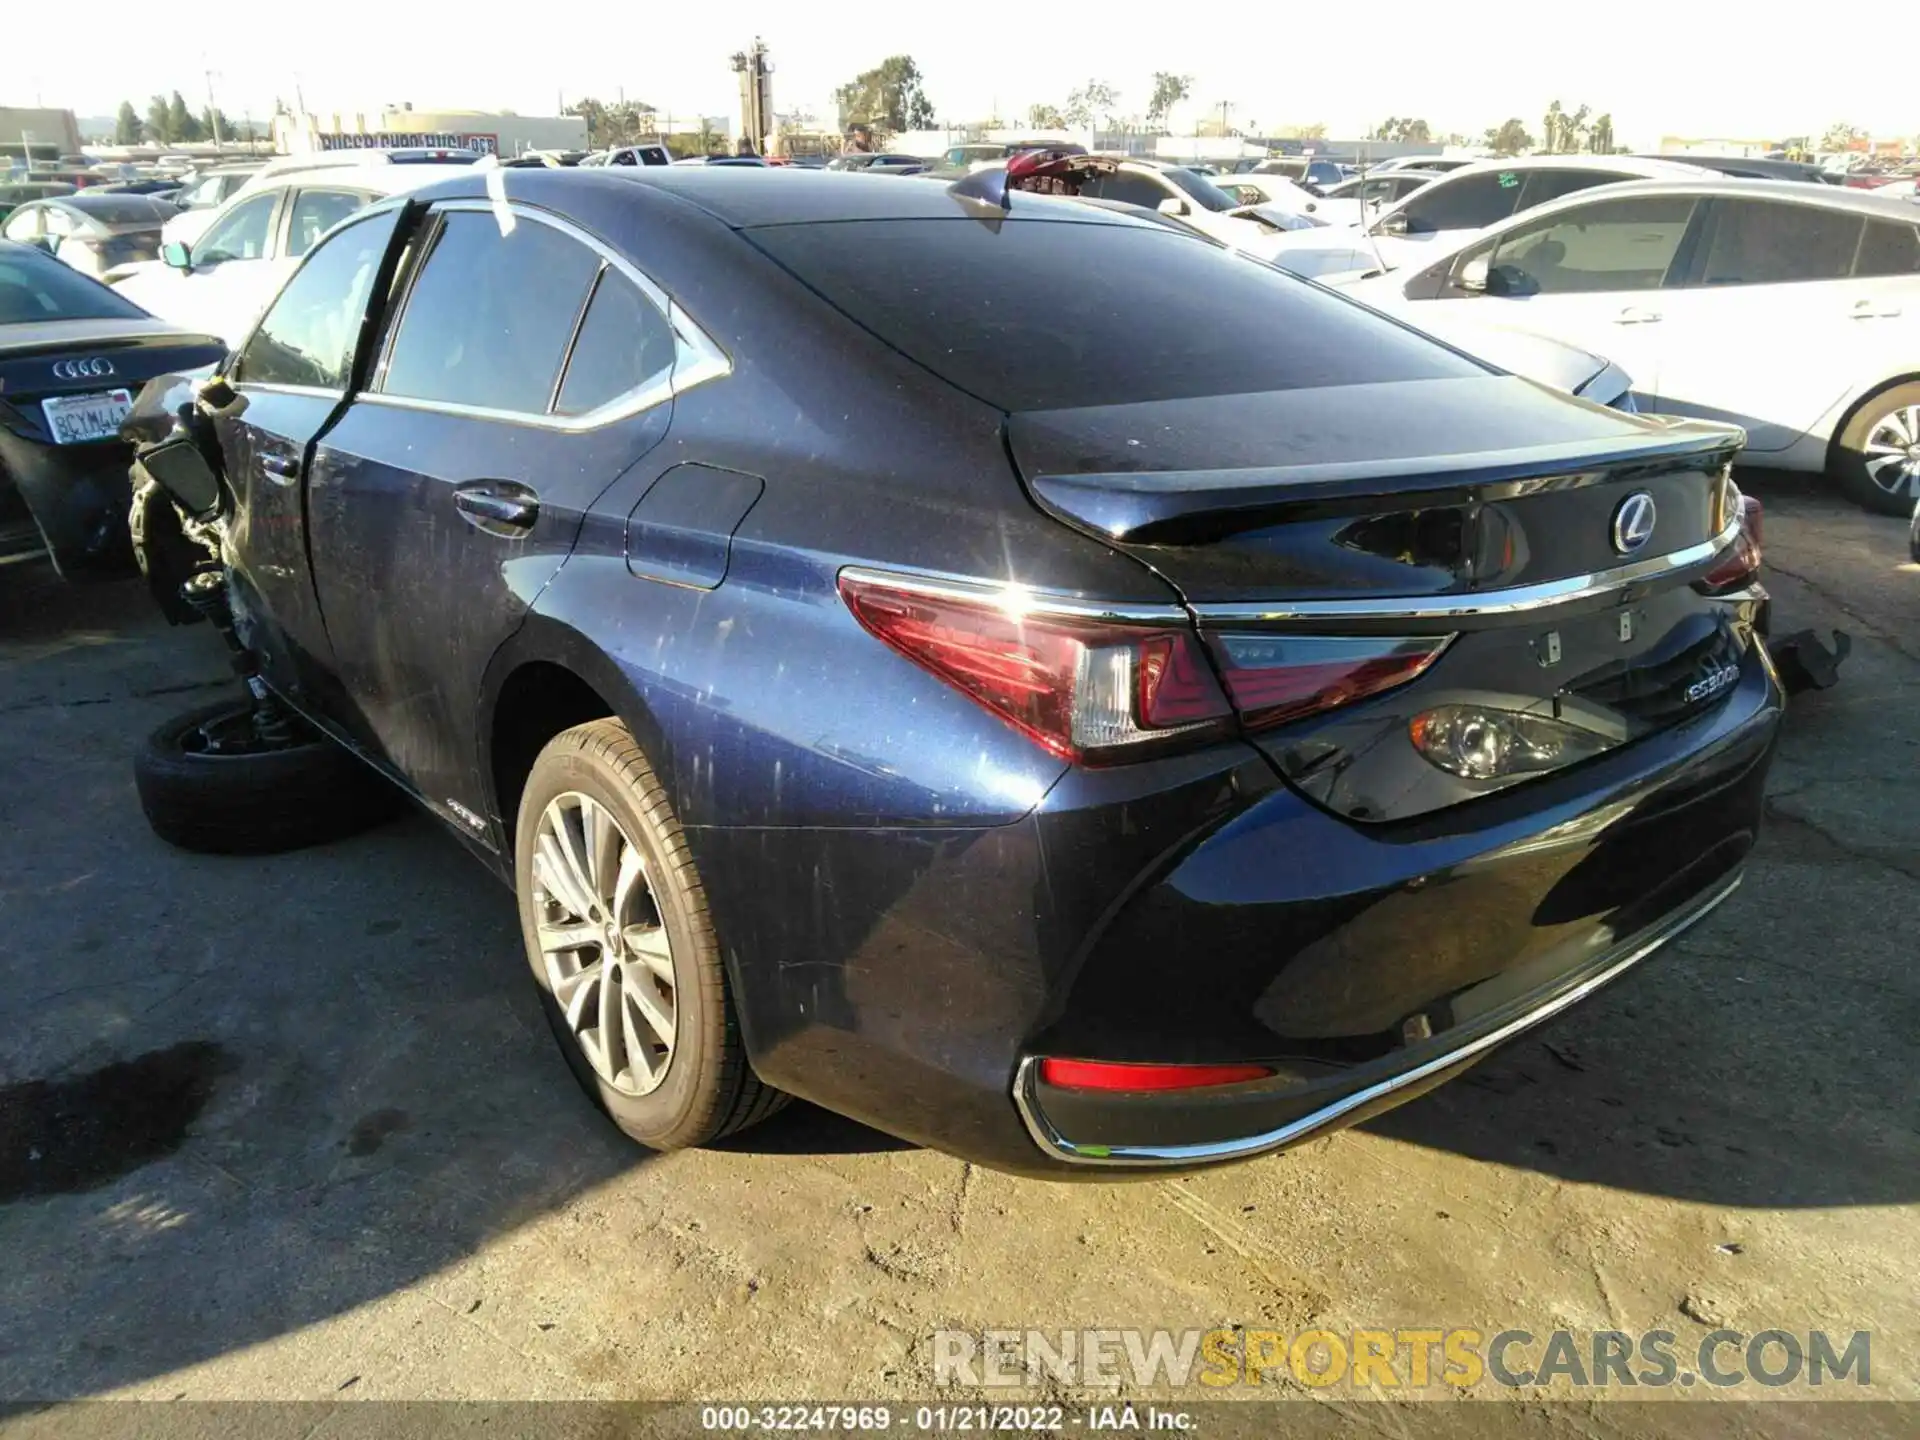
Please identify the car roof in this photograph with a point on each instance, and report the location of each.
(746, 196)
(1632, 164)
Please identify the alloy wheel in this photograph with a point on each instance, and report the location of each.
(1892, 451)
(603, 942)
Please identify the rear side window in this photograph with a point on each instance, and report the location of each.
(1042, 315)
(1471, 202)
(1760, 242)
(317, 211)
(308, 336)
(240, 234)
(1889, 248)
(1131, 189)
(624, 342)
(1545, 185)
(1606, 245)
(489, 318)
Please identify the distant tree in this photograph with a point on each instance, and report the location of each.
(182, 125)
(1402, 131)
(1046, 117)
(1168, 91)
(1315, 131)
(1509, 138)
(159, 121)
(1090, 105)
(1600, 135)
(624, 122)
(1841, 135)
(890, 97)
(126, 125)
(225, 129)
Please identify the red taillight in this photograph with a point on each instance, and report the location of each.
(1275, 678)
(1084, 689)
(1740, 561)
(1105, 1075)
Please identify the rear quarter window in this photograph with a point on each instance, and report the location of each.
(1044, 315)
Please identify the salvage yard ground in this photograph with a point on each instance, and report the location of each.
(367, 1173)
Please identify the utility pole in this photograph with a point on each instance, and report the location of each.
(756, 95)
(213, 110)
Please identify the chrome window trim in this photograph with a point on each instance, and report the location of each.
(1630, 953)
(697, 357)
(274, 387)
(1515, 600)
(1043, 603)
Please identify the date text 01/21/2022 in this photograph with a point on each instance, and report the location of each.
(941, 1418)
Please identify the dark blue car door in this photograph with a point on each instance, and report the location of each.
(524, 370)
(291, 377)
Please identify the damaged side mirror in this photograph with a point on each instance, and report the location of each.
(177, 467)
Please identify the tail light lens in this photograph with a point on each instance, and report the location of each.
(1739, 562)
(1087, 690)
(1111, 1075)
(1275, 678)
(1094, 690)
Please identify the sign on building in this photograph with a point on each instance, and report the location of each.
(398, 140)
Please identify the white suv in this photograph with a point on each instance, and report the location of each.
(220, 283)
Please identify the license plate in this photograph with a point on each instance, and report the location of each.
(77, 418)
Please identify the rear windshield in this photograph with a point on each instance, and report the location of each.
(1041, 315)
(37, 287)
(122, 209)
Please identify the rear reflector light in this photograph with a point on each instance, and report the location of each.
(1087, 690)
(1274, 678)
(1103, 1075)
(1479, 742)
(1739, 562)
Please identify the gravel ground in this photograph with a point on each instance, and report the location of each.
(330, 1151)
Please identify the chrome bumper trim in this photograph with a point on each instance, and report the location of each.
(1635, 949)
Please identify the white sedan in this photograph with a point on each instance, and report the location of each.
(1790, 310)
(1190, 196)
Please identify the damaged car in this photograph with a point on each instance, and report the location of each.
(1116, 709)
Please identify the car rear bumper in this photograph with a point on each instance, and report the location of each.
(1252, 1118)
(1197, 911)
(79, 496)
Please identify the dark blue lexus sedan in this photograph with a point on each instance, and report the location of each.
(1017, 675)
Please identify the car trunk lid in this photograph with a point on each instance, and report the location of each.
(1544, 550)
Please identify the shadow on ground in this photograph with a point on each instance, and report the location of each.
(373, 1094)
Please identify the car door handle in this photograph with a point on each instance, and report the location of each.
(281, 467)
(1634, 315)
(1875, 310)
(498, 507)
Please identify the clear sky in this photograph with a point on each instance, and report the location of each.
(1683, 67)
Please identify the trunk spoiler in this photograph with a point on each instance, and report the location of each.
(1183, 506)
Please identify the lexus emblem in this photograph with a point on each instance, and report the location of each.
(82, 369)
(1633, 522)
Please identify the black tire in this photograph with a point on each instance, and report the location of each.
(708, 1089)
(1849, 459)
(254, 802)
